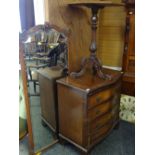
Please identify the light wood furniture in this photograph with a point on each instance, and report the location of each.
(128, 86)
(88, 108)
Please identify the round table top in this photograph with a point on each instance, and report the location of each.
(91, 3)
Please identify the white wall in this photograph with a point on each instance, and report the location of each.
(39, 10)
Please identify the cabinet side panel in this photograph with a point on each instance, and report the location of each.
(47, 100)
(70, 106)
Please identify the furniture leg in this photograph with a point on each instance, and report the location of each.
(117, 126)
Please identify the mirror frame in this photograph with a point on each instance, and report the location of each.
(24, 82)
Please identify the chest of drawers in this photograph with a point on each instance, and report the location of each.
(88, 108)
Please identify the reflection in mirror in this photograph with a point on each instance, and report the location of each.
(45, 56)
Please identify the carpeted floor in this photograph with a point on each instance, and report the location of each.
(119, 142)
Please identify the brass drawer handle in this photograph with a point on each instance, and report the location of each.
(98, 126)
(98, 112)
(98, 99)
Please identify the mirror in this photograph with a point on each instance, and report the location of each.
(43, 59)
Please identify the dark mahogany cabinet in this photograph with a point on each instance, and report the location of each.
(88, 108)
(128, 85)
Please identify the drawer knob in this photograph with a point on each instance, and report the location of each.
(98, 112)
(98, 99)
(98, 126)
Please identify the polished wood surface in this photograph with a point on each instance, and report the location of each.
(88, 82)
(99, 98)
(100, 132)
(88, 108)
(71, 113)
(99, 110)
(128, 86)
(99, 122)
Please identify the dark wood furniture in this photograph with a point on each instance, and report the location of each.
(88, 99)
(48, 96)
(128, 85)
(88, 108)
(92, 60)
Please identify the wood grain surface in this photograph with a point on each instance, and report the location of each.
(110, 37)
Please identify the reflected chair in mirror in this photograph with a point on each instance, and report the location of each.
(42, 110)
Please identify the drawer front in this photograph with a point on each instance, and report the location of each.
(99, 98)
(104, 95)
(100, 133)
(99, 110)
(100, 122)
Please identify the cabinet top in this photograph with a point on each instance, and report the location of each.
(89, 3)
(89, 83)
(51, 73)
